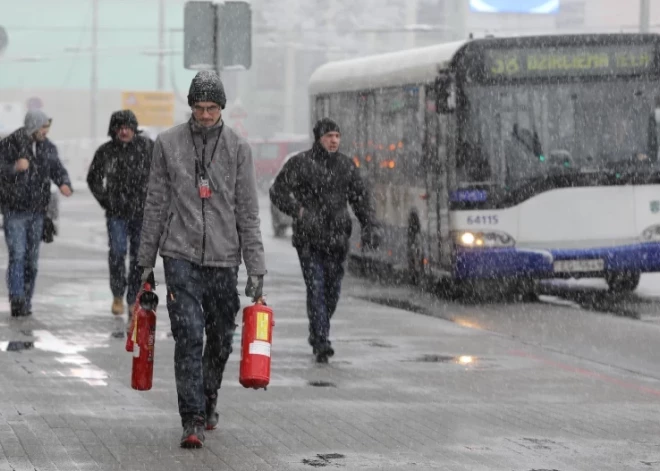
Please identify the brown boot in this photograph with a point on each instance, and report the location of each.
(117, 306)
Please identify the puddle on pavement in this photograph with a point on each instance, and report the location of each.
(69, 355)
(376, 343)
(19, 344)
(434, 359)
(463, 360)
(321, 384)
(323, 460)
(16, 346)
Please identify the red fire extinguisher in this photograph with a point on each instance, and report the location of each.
(142, 338)
(257, 338)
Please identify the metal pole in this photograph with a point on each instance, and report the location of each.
(644, 14)
(161, 45)
(93, 91)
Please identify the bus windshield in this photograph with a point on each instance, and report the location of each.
(516, 132)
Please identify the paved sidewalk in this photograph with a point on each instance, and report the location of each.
(404, 391)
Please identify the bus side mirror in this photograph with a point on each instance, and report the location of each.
(445, 95)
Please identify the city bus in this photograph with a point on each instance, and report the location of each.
(506, 159)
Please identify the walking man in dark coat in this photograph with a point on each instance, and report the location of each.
(315, 188)
(118, 179)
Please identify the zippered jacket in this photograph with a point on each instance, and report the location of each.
(212, 232)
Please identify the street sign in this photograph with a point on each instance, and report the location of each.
(199, 36)
(217, 35)
(150, 108)
(234, 35)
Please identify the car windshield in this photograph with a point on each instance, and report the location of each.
(515, 133)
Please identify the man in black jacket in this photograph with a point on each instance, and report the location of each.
(28, 164)
(118, 178)
(314, 188)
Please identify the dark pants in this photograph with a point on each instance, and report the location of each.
(23, 232)
(120, 233)
(200, 299)
(322, 273)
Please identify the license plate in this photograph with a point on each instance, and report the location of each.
(579, 265)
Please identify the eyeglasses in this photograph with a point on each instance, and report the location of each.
(209, 109)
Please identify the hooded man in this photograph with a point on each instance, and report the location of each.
(202, 213)
(315, 188)
(118, 179)
(28, 164)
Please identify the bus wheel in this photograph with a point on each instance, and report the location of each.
(623, 282)
(415, 255)
(523, 290)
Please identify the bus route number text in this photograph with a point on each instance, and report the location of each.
(483, 220)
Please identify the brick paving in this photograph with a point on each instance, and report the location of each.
(404, 391)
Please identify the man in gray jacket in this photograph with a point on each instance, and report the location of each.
(202, 212)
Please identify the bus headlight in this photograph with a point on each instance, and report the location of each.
(651, 233)
(488, 239)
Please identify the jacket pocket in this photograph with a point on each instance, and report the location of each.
(167, 231)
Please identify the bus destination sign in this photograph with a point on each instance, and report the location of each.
(569, 61)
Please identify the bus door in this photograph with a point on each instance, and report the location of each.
(441, 135)
(430, 167)
(363, 151)
(321, 108)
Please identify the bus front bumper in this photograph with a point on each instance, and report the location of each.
(530, 263)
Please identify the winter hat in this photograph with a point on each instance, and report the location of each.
(325, 126)
(35, 120)
(206, 86)
(122, 118)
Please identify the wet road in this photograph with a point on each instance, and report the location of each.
(568, 383)
(578, 318)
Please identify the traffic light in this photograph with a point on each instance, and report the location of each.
(217, 35)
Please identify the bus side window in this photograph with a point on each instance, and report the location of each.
(346, 115)
(472, 163)
(431, 138)
(322, 107)
(398, 142)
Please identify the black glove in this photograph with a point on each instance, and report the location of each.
(255, 287)
(147, 276)
(49, 231)
(371, 237)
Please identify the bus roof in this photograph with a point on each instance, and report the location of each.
(383, 70)
(417, 66)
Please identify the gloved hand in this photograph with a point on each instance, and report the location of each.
(371, 237)
(255, 286)
(147, 276)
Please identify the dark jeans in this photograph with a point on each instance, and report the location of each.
(200, 299)
(120, 233)
(322, 273)
(23, 231)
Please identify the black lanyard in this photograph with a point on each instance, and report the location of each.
(200, 169)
